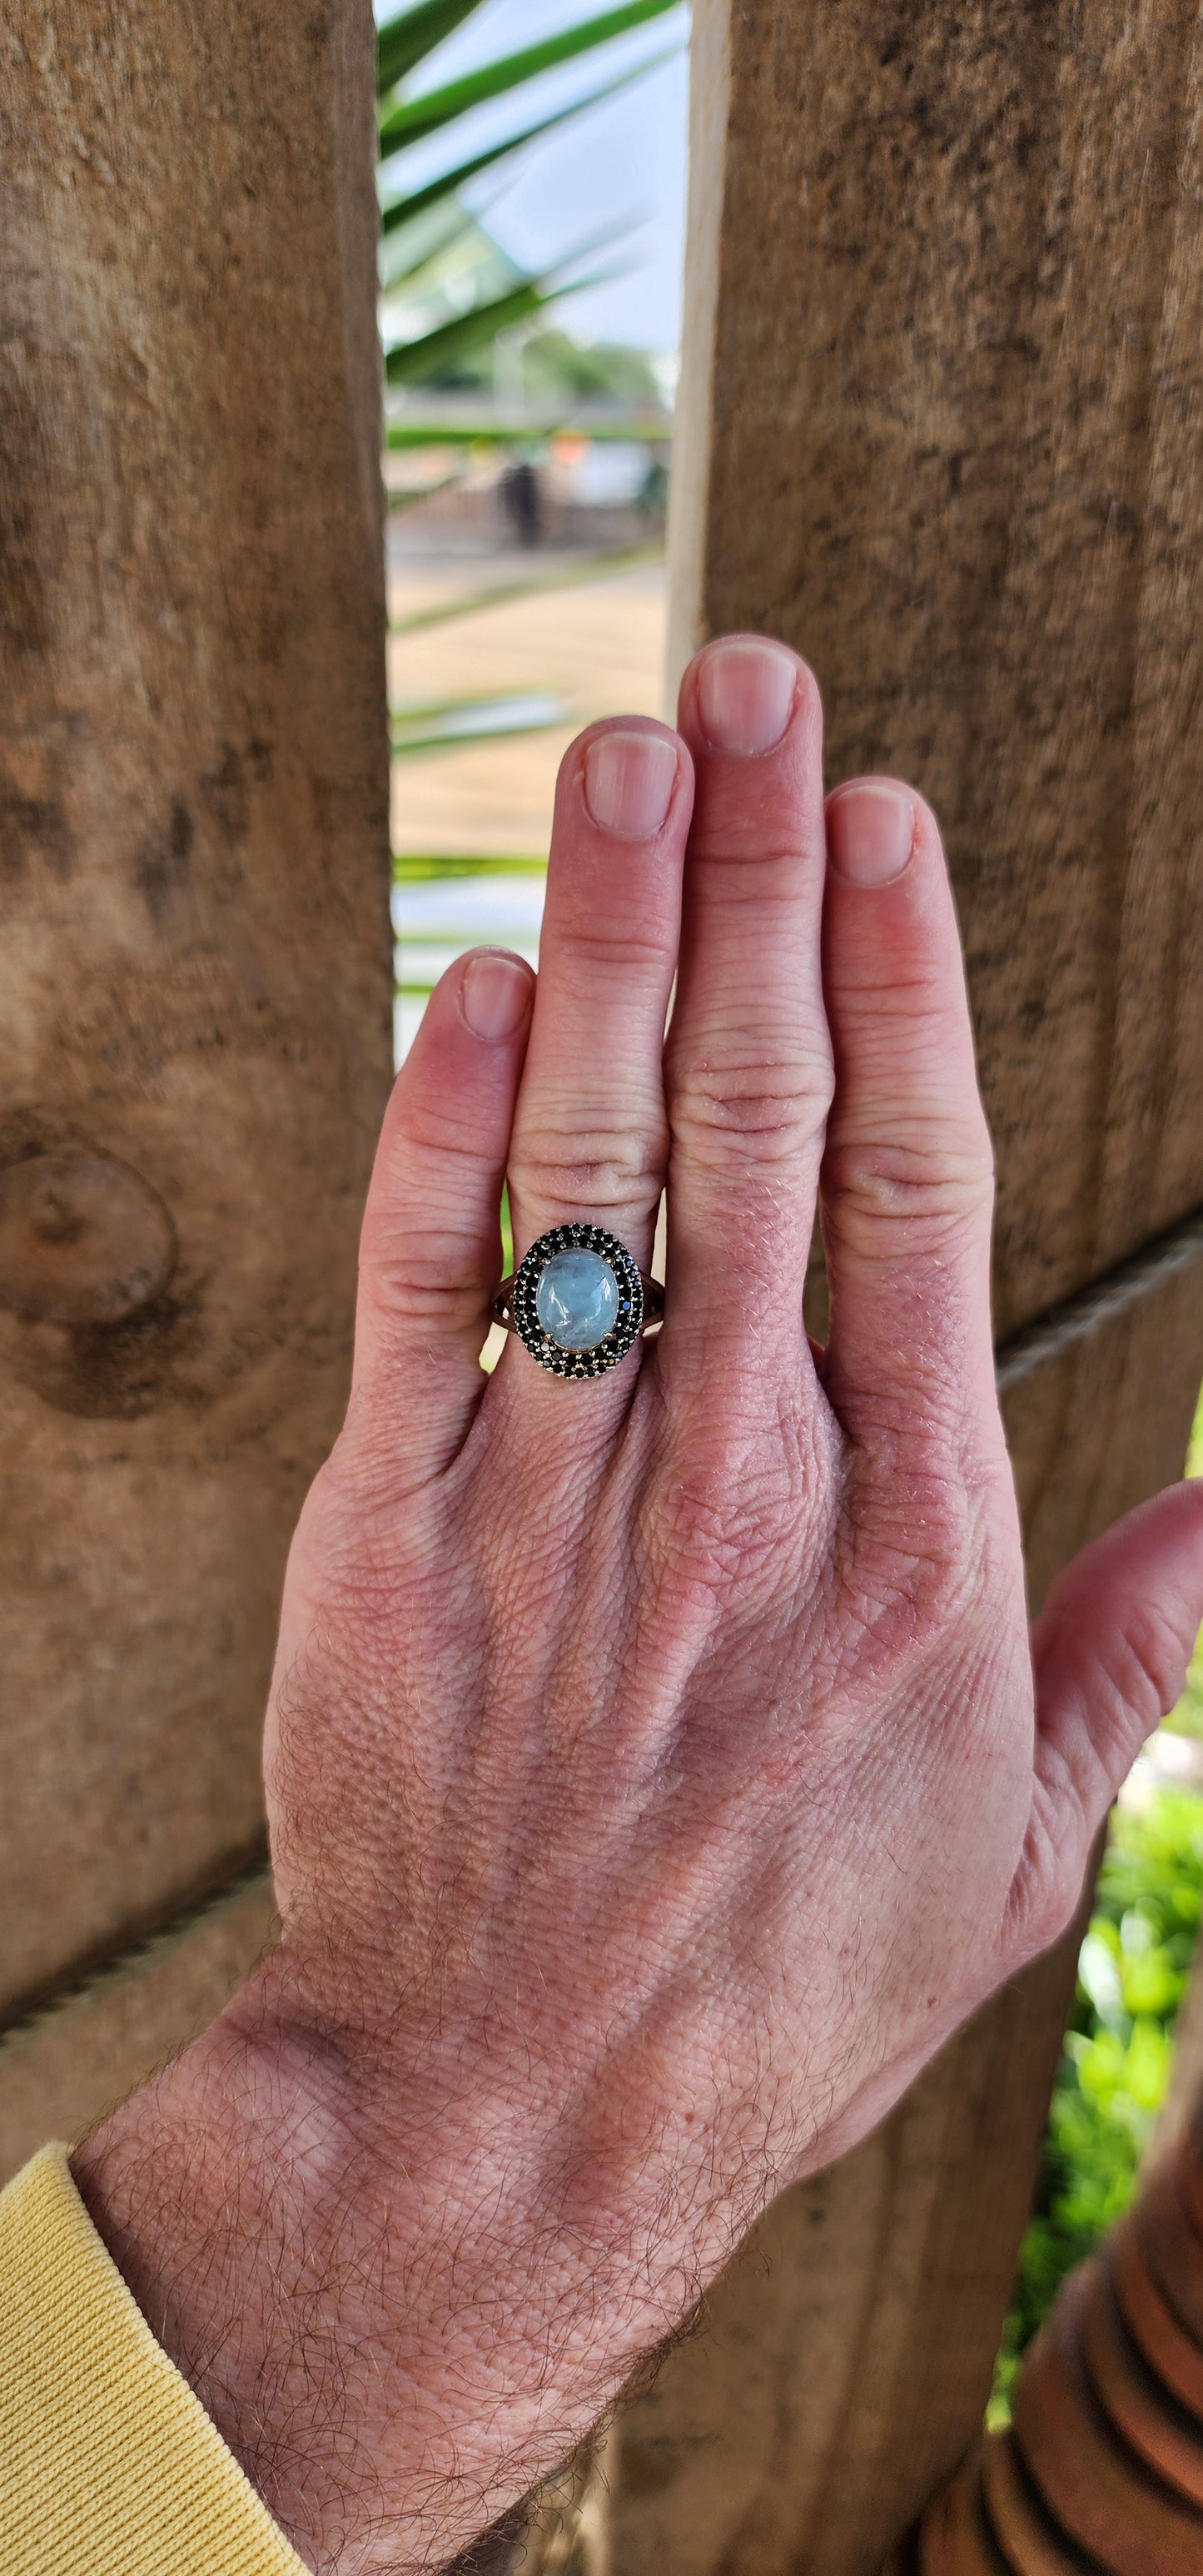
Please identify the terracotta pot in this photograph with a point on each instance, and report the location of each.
(954, 2540)
(1027, 2537)
(1172, 2250)
(1190, 2183)
(1151, 2322)
(1106, 2498)
(1101, 2473)
(1159, 2430)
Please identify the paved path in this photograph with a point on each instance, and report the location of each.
(597, 645)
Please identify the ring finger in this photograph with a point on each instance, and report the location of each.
(590, 1133)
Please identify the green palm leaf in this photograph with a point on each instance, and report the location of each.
(447, 724)
(404, 42)
(413, 258)
(411, 120)
(409, 360)
(404, 209)
(416, 867)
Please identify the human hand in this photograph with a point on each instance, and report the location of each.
(657, 1768)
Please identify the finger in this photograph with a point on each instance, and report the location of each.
(589, 1132)
(430, 1251)
(906, 1184)
(1110, 1651)
(748, 1059)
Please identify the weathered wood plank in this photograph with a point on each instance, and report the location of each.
(195, 972)
(941, 432)
(63, 2069)
(1099, 1402)
(846, 2354)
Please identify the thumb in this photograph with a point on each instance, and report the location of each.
(1109, 1654)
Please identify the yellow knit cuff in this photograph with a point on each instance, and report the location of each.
(109, 2466)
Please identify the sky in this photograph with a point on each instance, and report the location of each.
(621, 164)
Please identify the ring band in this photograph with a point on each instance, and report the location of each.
(578, 1301)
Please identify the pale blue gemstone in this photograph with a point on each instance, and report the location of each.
(576, 1300)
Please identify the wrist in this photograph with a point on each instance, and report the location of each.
(351, 2305)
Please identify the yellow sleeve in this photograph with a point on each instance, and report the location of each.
(109, 2466)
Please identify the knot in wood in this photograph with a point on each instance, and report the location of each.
(83, 1239)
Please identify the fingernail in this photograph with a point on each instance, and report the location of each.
(629, 780)
(870, 831)
(495, 994)
(746, 694)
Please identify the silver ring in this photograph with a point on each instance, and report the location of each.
(578, 1301)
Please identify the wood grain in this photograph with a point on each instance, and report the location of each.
(195, 976)
(952, 352)
(846, 2355)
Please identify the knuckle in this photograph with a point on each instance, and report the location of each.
(920, 1545)
(740, 1101)
(1148, 1663)
(1047, 1890)
(416, 1276)
(727, 1499)
(707, 1532)
(623, 948)
(620, 1169)
(875, 1191)
(357, 1552)
(738, 840)
(430, 1132)
(892, 996)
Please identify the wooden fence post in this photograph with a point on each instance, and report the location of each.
(940, 428)
(195, 969)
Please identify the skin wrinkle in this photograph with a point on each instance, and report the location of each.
(729, 1099)
(625, 1171)
(636, 948)
(655, 1770)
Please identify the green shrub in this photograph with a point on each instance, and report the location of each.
(1132, 1974)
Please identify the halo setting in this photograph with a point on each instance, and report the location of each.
(577, 1301)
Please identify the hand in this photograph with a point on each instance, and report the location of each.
(655, 1767)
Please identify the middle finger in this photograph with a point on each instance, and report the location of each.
(749, 1056)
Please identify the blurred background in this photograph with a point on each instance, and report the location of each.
(532, 183)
